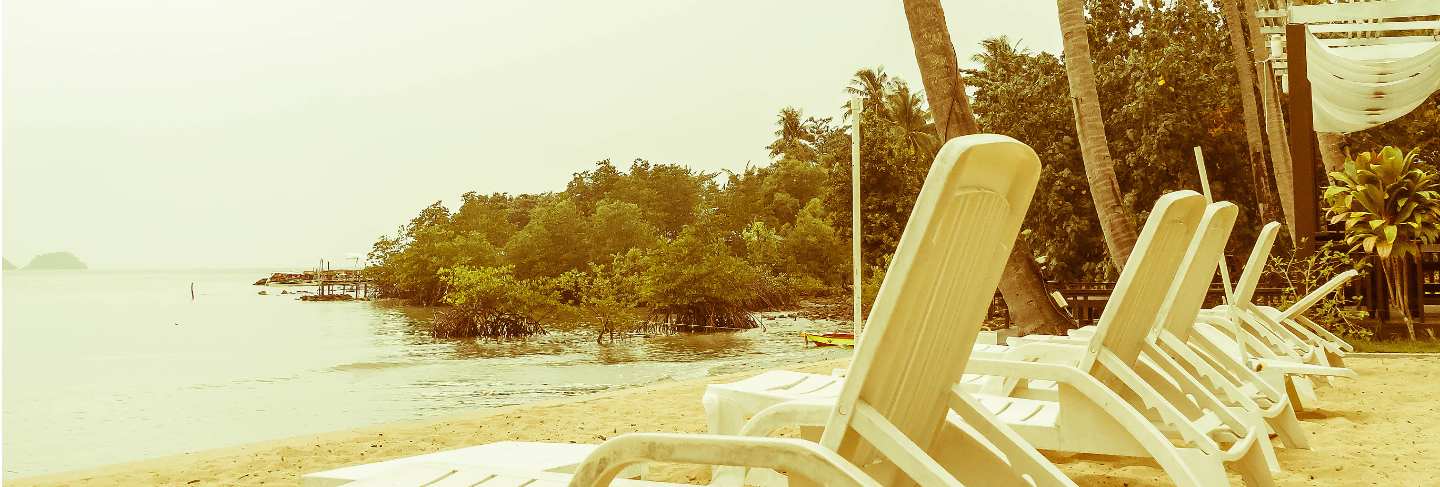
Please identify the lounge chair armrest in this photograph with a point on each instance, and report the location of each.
(799, 412)
(1027, 370)
(1063, 351)
(796, 456)
(1105, 399)
(1295, 368)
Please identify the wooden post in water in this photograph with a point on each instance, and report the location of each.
(857, 106)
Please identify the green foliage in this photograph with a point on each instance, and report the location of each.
(616, 227)
(812, 248)
(1389, 205)
(408, 264)
(1297, 276)
(667, 194)
(1166, 85)
(547, 246)
(693, 282)
(491, 302)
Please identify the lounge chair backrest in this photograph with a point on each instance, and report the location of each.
(1135, 305)
(1187, 296)
(1255, 266)
(1314, 296)
(931, 306)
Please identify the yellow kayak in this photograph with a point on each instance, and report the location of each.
(830, 339)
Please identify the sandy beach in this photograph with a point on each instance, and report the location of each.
(1378, 430)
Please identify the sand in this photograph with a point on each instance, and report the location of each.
(1381, 429)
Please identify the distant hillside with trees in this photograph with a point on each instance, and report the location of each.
(55, 261)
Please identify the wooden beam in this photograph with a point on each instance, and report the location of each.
(1337, 12)
(1302, 143)
(1377, 41)
(1361, 27)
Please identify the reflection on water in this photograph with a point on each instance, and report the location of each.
(128, 362)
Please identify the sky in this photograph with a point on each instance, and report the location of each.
(272, 133)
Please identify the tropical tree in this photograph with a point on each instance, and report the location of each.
(792, 140)
(870, 85)
(909, 117)
(1389, 205)
(693, 282)
(547, 245)
(1281, 167)
(1115, 221)
(1021, 284)
(811, 246)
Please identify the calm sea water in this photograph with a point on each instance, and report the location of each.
(104, 367)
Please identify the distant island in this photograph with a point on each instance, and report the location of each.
(54, 261)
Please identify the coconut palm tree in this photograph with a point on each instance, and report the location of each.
(1115, 221)
(791, 138)
(909, 117)
(870, 85)
(1280, 164)
(1022, 286)
(1254, 133)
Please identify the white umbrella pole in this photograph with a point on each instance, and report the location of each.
(857, 106)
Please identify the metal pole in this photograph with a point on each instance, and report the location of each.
(1205, 188)
(857, 106)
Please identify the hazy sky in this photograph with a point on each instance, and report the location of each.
(267, 133)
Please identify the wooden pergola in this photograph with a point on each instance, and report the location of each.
(1383, 31)
(1401, 33)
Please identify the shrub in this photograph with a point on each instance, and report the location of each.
(491, 302)
(1297, 276)
(693, 283)
(1390, 205)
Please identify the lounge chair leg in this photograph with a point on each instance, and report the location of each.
(1289, 429)
(1252, 468)
(1301, 392)
(1263, 443)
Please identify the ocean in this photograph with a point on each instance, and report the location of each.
(103, 367)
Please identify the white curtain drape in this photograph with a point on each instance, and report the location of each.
(1355, 94)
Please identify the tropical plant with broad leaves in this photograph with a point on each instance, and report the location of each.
(1390, 205)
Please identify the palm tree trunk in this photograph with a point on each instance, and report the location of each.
(1021, 285)
(1330, 152)
(1099, 167)
(1260, 178)
(1280, 161)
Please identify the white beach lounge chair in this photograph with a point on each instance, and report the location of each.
(1090, 414)
(1286, 348)
(1265, 339)
(889, 424)
(1232, 381)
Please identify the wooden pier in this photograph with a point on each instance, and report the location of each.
(350, 283)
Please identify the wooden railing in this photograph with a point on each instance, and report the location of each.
(1086, 300)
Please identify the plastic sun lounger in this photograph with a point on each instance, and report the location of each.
(1264, 339)
(547, 457)
(890, 416)
(1233, 381)
(1089, 416)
